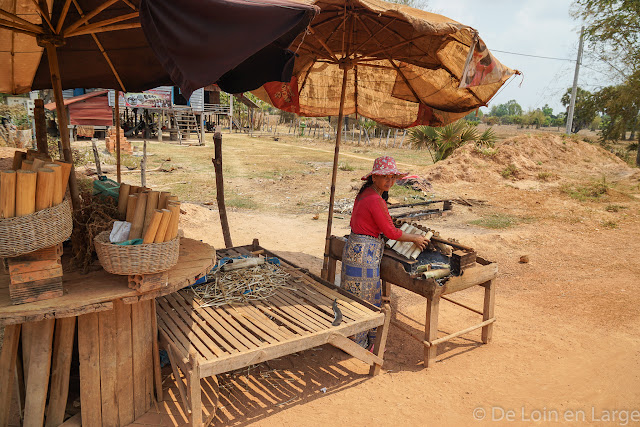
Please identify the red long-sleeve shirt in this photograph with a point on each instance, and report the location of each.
(370, 216)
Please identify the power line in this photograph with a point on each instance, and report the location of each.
(533, 56)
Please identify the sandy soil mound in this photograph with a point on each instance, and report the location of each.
(526, 157)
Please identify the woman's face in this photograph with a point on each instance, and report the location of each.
(384, 182)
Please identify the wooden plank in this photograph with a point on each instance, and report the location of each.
(89, 356)
(325, 304)
(280, 316)
(195, 395)
(173, 333)
(147, 335)
(124, 363)
(431, 330)
(137, 348)
(39, 371)
(188, 317)
(7, 369)
(229, 329)
(380, 342)
(23, 293)
(61, 366)
(192, 337)
(240, 318)
(177, 377)
(318, 316)
(217, 324)
(75, 421)
(108, 367)
(27, 334)
(28, 271)
(300, 317)
(350, 347)
(471, 277)
(237, 361)
(259, 320)
(463, 331)
(488, 310)
(157, 375)
(240, 331)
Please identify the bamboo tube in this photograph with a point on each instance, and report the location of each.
(152, 229)
(18, 157)
(31, 154)
(172, 229)
(37, 164)
(132, 200)
(25, 192)
(8, 194)
(170, 199)
(138, 217)
(26, 165)
(162, 228)
(123, 197)
(58, 194)
(135, 189)
(66, 172)
(45, 185)
(152, 205)
(162, 200)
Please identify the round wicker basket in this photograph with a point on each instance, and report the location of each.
(23, 234)
(136, 259)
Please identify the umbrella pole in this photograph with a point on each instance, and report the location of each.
(117, 107)
(54, 71)
(334, 174)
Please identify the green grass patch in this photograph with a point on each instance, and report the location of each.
(240, 202)
(345, 166)
(499, 221)
(591, 191)
(546, 176)
(404, 193)
(609, 224)
(510, 171)
(614, 208)
(486, 151)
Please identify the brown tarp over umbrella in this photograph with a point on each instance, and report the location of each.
(394, 64)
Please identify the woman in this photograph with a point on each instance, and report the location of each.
(362, 253)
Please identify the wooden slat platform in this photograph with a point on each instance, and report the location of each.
(206, 341)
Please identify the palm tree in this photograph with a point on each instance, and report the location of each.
(441, 142)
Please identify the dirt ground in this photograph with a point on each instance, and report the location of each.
(566, 344)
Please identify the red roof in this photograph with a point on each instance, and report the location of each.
(52, 105)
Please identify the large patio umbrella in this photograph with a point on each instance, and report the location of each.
(394, 64)
(115, 43)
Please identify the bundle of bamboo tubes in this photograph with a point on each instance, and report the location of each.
(154, 215)
(408, 249)
(36, 182)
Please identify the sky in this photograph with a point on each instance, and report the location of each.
(532, 27)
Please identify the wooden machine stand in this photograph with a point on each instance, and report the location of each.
(472, 270)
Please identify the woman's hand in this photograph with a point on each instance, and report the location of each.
(420, 241)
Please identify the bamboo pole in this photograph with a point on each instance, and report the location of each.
(18, 157)
(41, 126)
(138, 217)
(117, 108)
(132, 200)
(222, 209)
(152, 205)
(66, 173)
(25, 192)
(162, 199)
(26, 165)
(162, 228)
(334, 174)
(8, 194)
(54, 71)
(150, 233)
(123, 198)
(45, 186)
(58, 191)
(37, 164)
(172, 228)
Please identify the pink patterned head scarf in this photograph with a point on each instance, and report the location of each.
(385, 165)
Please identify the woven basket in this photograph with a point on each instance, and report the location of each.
(136, 259)
(23, 234)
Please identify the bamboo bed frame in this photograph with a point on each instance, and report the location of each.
(204, 342)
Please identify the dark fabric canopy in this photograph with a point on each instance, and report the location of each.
(239, 44)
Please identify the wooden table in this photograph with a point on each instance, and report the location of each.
(117, 345)
(481, 273)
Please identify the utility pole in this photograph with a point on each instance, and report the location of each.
(574, 89)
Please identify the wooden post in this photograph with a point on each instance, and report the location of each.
(488, 310)
(143, 165)
(117, 111)
(54, 70)
(194, 389)
(59, 390)
(41, 126)
(39, 370)
(222, 209)
(7, 367)
(96, 157)
(381, 339)
(334, 174)
(431, 330)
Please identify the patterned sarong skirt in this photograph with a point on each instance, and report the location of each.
(361, 274)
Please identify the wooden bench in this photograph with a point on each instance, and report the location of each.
(204, 342)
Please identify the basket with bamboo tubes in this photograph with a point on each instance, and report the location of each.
(34, 213)
(154, 218)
